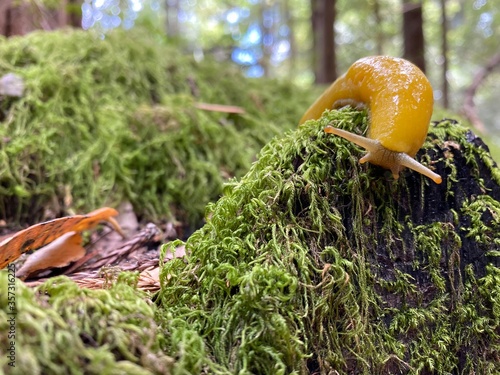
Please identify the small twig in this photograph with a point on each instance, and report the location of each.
(43, 18)
(220, 108)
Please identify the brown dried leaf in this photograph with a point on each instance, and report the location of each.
(42, 234)
(59, 253)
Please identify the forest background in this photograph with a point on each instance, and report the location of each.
(307, 41)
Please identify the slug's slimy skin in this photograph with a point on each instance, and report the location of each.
(400, 101)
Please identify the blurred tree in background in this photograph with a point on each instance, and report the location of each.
(413, 33)
(20, 17)
(323, 36)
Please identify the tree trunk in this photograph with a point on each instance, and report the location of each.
(20, 18)
(323, 21)
(74, 10)
(4, 6)
(290, 20)
(14, 18)
(413, 34)
(172, 20)
(444, 52)
(266, 29)
(379, 34)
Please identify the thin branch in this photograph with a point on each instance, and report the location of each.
(469, 107)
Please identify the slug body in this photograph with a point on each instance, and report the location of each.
(400, 102)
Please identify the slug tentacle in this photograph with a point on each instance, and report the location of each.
(379, 155)
(411, 163)
(367, 143)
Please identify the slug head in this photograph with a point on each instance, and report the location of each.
(379, 155)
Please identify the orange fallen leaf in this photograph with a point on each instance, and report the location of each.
(39, 235)
(59, 253)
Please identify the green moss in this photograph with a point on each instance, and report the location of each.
(435, 241)
(484, 215)
(310, 263)
(313, 262)
(62, 329)
(107, 120)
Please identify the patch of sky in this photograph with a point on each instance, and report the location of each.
(484, 24)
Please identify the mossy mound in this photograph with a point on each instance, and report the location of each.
(62, 329)
(313, 263)
(102, 121)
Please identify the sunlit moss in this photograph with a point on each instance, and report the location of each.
(106, 120)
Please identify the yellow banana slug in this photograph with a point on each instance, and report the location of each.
(400, 102)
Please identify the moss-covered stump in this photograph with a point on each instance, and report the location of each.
(102, 121)
(313, 263)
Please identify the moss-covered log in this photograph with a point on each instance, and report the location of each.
(315, 263)
(103, 121)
